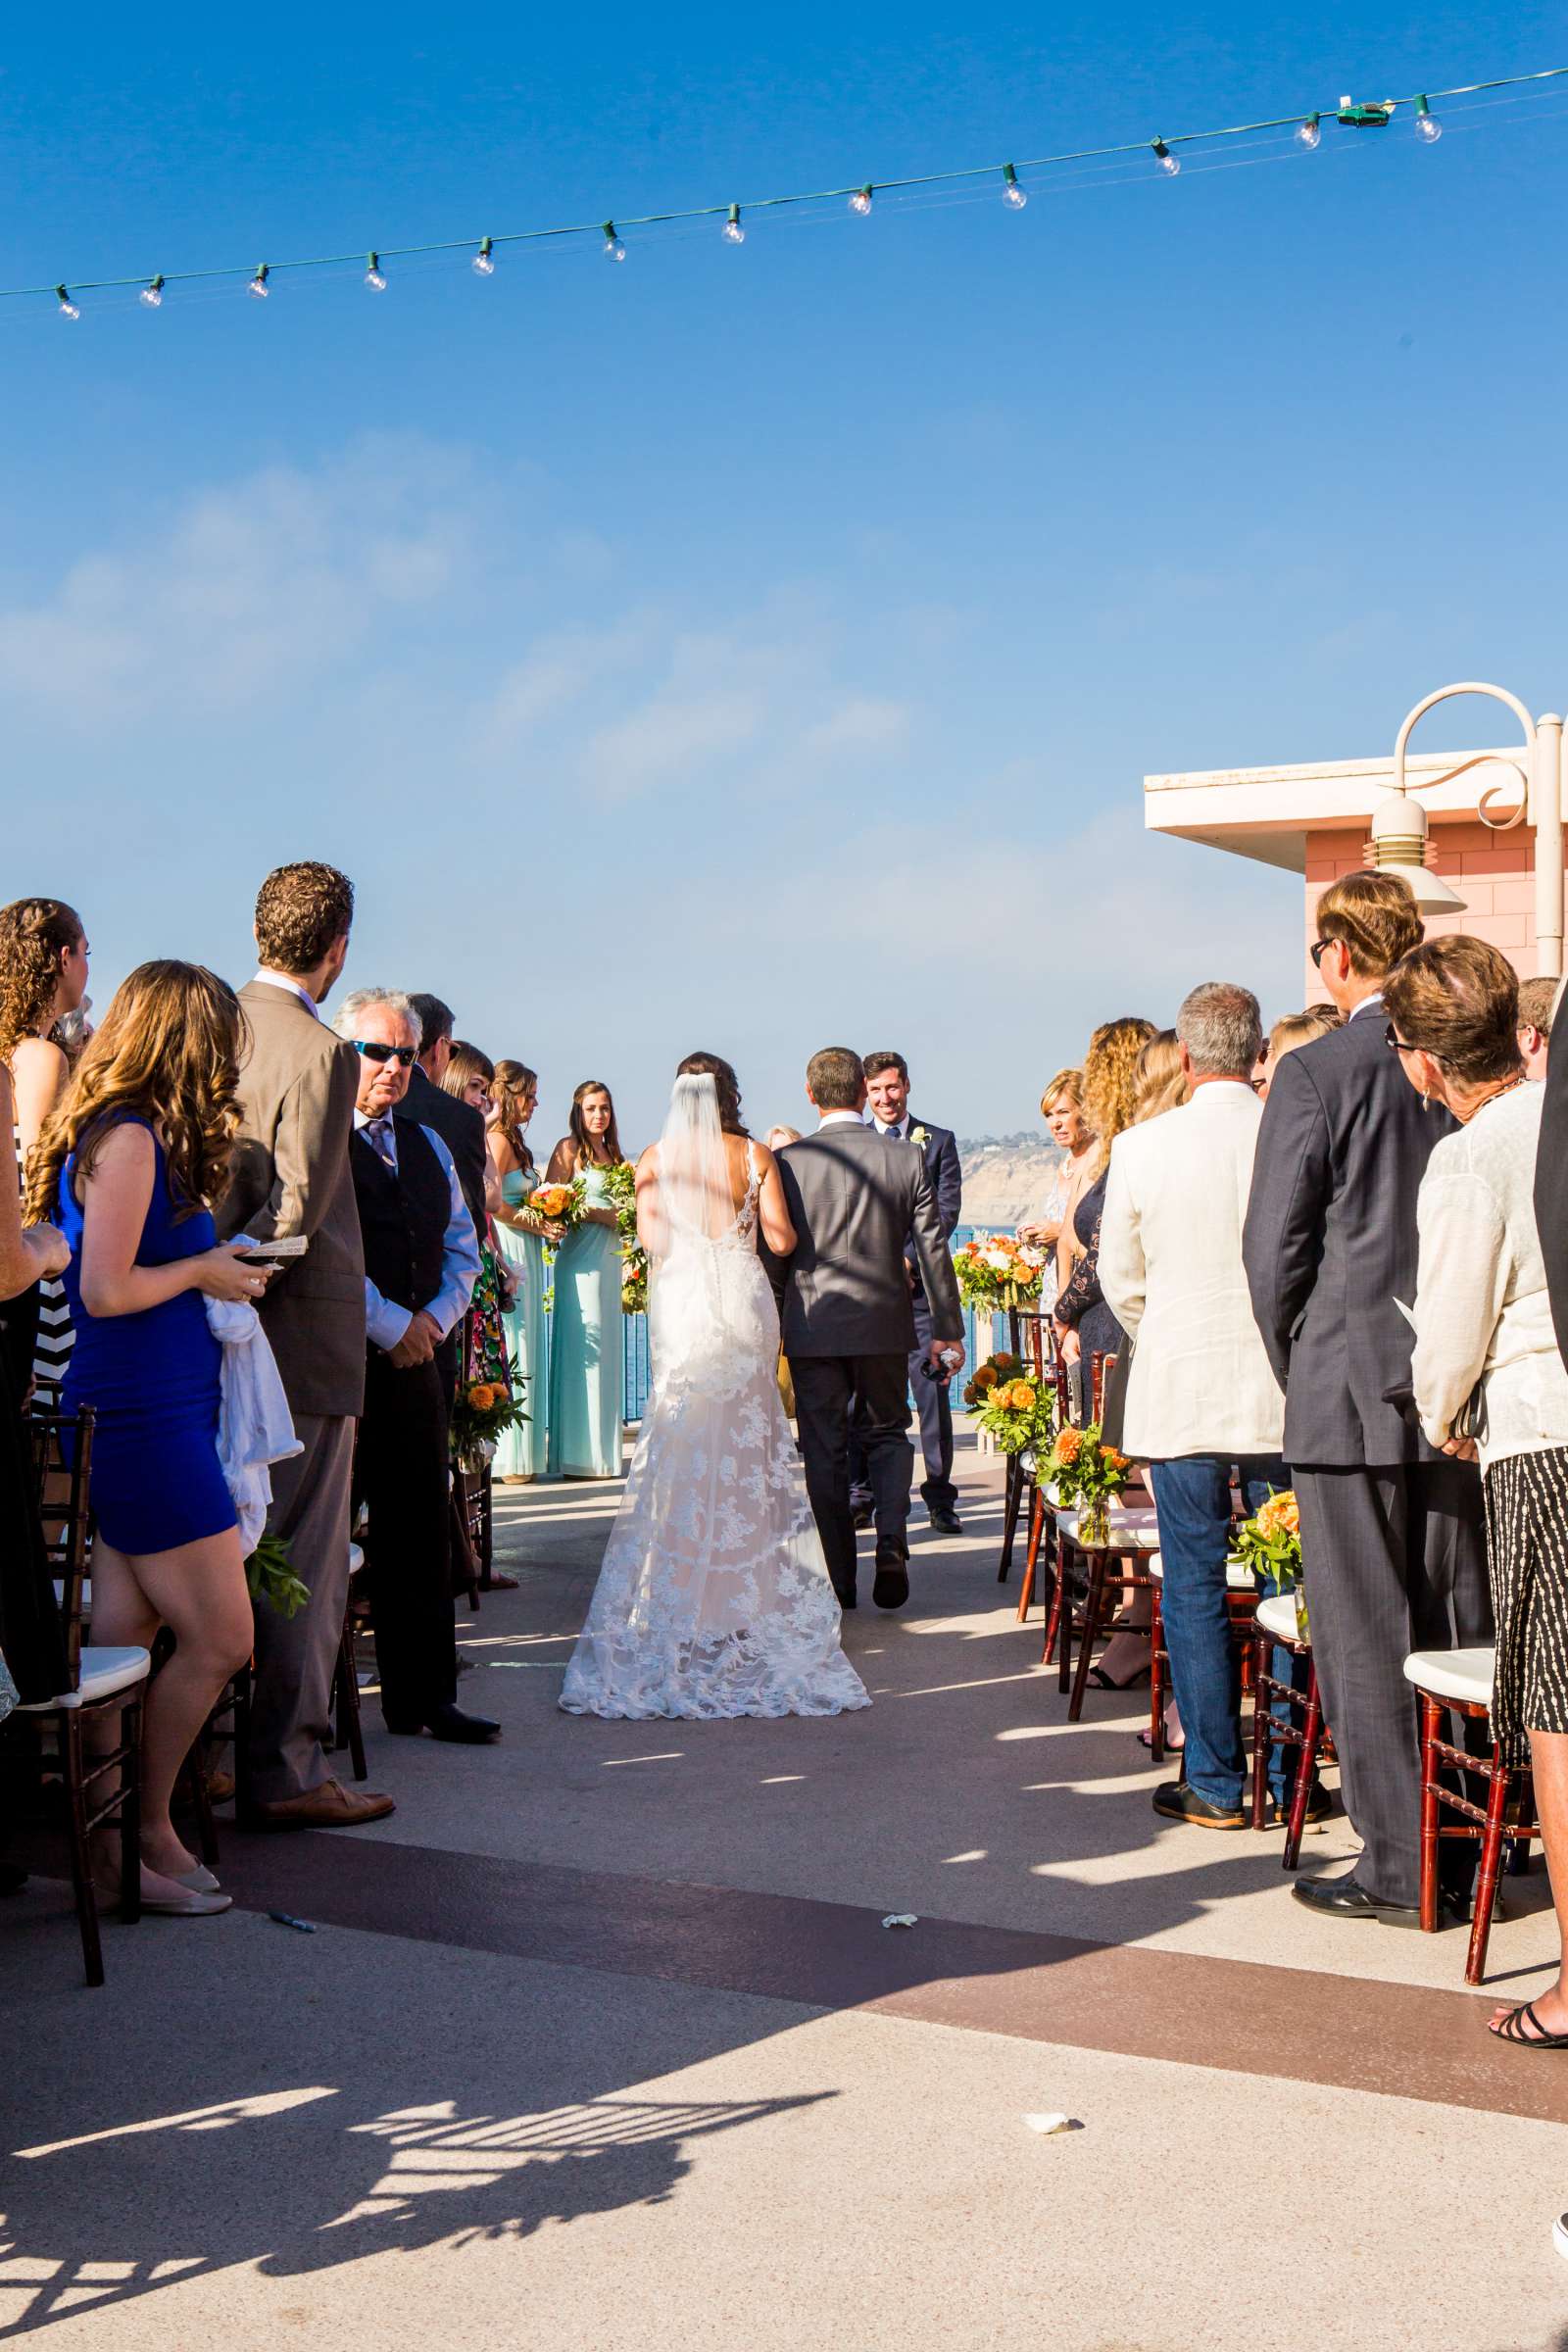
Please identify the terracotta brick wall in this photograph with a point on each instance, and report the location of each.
(1493, 872)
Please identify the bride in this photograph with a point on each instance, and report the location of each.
(713, 1598)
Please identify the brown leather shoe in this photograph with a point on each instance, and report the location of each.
(329, 1807)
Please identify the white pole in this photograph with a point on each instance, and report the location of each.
(1545, 809)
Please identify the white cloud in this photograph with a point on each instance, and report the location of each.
(865, 723)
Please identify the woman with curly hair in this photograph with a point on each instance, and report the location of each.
(1085, 1324)
(130, 1165)
(43, 981)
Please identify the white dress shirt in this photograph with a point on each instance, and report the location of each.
(1480, 1308)
(1170, 1267)
(270, 979)
(385, 1322)
(839, 1118)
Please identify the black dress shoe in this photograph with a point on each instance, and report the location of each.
(862, 1515)
(447, 1722)
(947, 1522)
(1347, 1898)
(892, 1587)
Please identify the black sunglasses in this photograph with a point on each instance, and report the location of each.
(374, 1051)
(1391, 1038)
(1318, 951)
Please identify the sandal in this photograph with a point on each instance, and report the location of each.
(1510, 2027)
(1173, 1747)
(1102, 1682)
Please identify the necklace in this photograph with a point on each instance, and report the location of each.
(1512, 1087)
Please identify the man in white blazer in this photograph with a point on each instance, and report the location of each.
(1202, 1397)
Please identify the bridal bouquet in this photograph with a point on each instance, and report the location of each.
(620, 1183)
(559, 1204)
(480, 1413)
(1270, 1545)
(1085, 1471)
(997, 1271)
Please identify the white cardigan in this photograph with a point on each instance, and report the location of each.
(1170, 1266)
(1481, 1307)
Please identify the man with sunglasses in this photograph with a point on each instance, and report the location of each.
(1391, 1540)
(421, 1256)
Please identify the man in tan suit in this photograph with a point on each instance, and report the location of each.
(292, 1176)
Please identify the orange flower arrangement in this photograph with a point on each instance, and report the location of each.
(1012, 1410)
(556, 1202)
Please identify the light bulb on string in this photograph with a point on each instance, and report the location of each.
(483, 264)
(1167, 162)
(152, 293)
(615, 250)
(375, 276)
(1012, 193)
(68, 309)
(1427, 125)
(861, 201)
(258, 285)
(733, 233)
(1309, 133)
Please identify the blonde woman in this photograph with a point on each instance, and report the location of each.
(1061, 1106)
(523, 1236)
(1085, 1324)
(1158, 1084)
(1291, 1030)
(130, 1165)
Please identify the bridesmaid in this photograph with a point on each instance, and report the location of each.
(43, 978)
(585, 1371)
(514, 1096)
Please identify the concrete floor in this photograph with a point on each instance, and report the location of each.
(600, 2043)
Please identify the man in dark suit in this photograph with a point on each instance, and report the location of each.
(854, 1201)
(887, 1086)
(290, 1175)
(458, 1125)
(1392, 1536)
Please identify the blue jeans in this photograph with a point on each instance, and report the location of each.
(1192, 1499)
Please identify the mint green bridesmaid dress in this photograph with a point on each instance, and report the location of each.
(585, 1346)
(521, 1452)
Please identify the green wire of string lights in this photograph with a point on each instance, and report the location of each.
(857, 193)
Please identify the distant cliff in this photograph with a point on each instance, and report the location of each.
(1005, 1177)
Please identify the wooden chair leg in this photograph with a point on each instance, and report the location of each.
(1157, 1674)
(1262, 1730)
(1037, 1528)
(1013, 1493)
(1057, 1586)
(1486, 1895)
(347, 1729)
(69, 1720)
(1305, 1772)
(1431, 1817)
(1064, 1625)
(1092, 1609)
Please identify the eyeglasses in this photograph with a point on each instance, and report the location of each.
(1319, 950)
(1390, 1036)
(374, 1051)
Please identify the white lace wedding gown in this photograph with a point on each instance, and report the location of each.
(713, 1598)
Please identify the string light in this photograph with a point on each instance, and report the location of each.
(68, 309)
(733, 232)
(375, 276)
(1307, 128)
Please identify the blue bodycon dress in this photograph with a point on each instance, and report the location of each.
(152, 1377)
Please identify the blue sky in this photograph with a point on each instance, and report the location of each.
(755, 649)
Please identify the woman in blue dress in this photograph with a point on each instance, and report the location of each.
(585, 1343)
(129, 1165)
(520, 1453)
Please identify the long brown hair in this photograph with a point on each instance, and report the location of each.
(1109, 1067)
(33, 932)
(514, 1082)
(726, 1086)
(464, 1063)
(168, 1051)
(579, 1131)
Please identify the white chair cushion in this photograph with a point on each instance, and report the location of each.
(1464, 1674)
(1134, 1530)
(104, 1672)
(1238, 1577)
(1277, 1616)
(356, 1559)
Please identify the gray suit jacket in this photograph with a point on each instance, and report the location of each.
(855, 1199)
(1330, 1242)
(297, 1089)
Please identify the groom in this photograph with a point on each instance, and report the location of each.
(856, 1200)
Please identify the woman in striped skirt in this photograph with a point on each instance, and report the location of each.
(44, 979)
(1489, 1378)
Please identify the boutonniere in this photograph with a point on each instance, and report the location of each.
(918, 1135)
